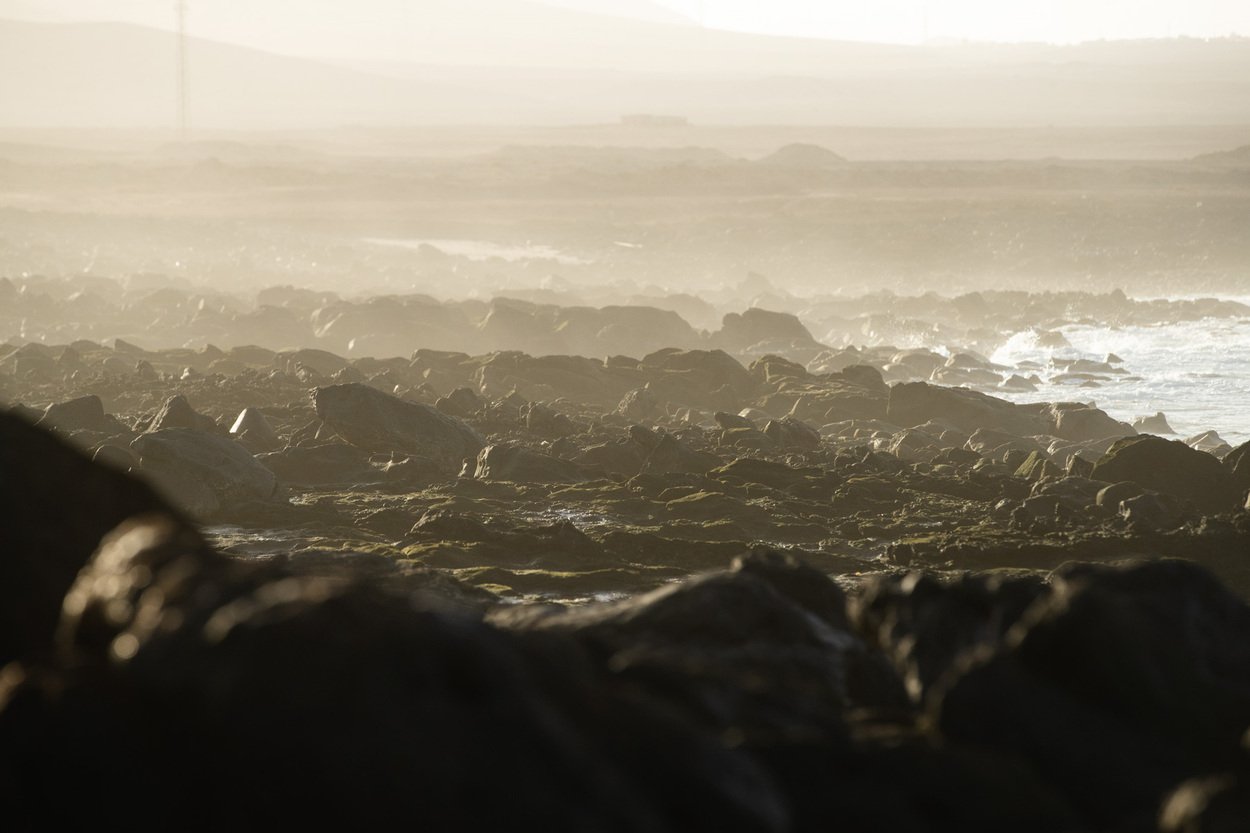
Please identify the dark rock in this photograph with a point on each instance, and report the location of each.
(202, 473)
(1171, 467)
(923, 623)
(740, 331)
(183, 660)
(178, 413)
(543, 421)
(57, 506)
(1216, 804)
(791, 433)
(1085, 424)
(638, 405)
(259, 433)
(520, 465)
(376, 421)
(1110, 497)
(729, 421)
(672, 455)
(86, 413)
(915, 403)
(320, 464)
(461, 402)
(1154, 511)
(1116, 687)
(117, 457)
(1157, 424)
(1237, 464)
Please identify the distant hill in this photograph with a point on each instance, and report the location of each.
(442, 67)
(1237, 157)
(801, 155)
(120, 75)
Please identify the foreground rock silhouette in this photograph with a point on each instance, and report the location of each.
(173, 682)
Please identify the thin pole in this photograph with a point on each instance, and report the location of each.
(182, 69)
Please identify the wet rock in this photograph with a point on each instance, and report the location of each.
(1018, 384)
(543, 421)
(376, 421)
(1157, 425)
(915, 403)
(624, 456)
(699, 374)
(320, 362)
(1170, 467)
(1210, 442)
(86, 413)
(996, 443)
(329, 463)
(115, 456)
(1237, 464)
(730, 421)
(1036, 466)
(253, 430)
(639, 405)
(1084, 424)
(521, 465)
(461, 402)
(791, 433)
(672, 455)
(1110, 497)
(739, 331)
(200, 473)
(178, 413)
(1152, 511)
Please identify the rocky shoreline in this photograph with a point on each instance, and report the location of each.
(701, 589)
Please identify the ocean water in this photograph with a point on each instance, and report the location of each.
(1197, 372)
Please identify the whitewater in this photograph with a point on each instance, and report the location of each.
(1195, 372)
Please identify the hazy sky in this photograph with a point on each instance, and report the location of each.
(894, 21)
(904, 21)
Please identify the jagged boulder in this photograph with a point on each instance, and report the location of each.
(177, 412)
(521, 465)
(376, 421)
(200, 473)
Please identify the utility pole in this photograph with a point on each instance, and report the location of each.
(182, 70)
